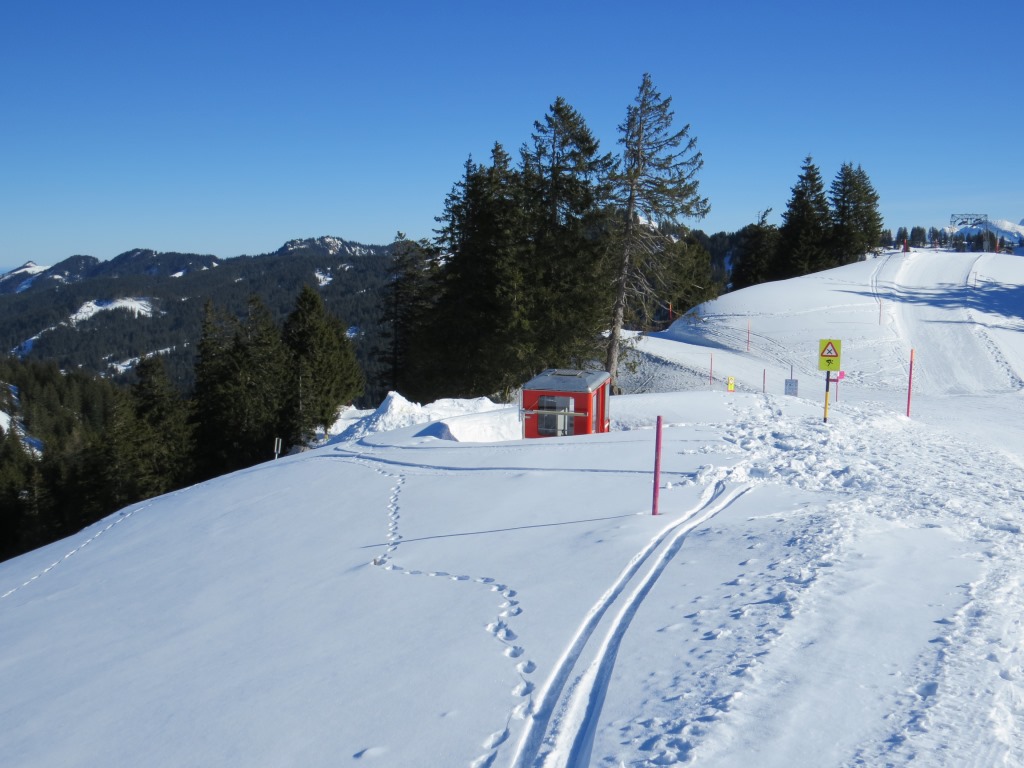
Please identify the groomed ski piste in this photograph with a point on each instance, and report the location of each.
(427, 589)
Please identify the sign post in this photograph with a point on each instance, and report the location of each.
(829, 359)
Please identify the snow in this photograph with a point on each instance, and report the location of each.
(428, 589)
(134, 306)
(137, 307)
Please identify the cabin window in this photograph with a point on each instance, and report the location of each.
(559, 421)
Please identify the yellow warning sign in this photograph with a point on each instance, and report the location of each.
(829, 354)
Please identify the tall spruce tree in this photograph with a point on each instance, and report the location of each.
(407, 306)
(484, 303)
(565, 179)
(15, 471)
(214, 391)
(867, 218)
(754, 252)
(806, 227)
(163, 418)
(655, 182)
(242, 388)
(324, 374)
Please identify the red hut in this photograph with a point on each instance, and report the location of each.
(558, 402)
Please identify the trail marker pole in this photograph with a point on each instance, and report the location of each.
(657, 467)
(828, 378)
(748, 334)
(910, 382)
(711, 370)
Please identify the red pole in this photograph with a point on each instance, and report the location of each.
(910, 382)
(657, 468)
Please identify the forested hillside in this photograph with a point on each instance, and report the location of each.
(35, 318)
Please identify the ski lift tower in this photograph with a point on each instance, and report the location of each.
(979, 220)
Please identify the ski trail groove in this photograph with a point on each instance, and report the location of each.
(543, 723)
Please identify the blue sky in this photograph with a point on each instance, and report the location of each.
(230, 128)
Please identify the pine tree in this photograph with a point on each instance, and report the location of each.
(484, 302)
(14, 480)
(262, 369)
(856, 222)
(655, 182)
(867, 218)
(804, 234)
(565, 190)
(214, 392)
(754, 252)
(242, 390)
(324, 373)
(405, 310)
(163, 419)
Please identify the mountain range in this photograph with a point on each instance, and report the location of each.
(102, 315)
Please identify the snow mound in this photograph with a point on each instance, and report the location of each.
(451, 419)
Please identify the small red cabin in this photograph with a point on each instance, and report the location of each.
(558, 402)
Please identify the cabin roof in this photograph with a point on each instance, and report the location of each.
(562, 380)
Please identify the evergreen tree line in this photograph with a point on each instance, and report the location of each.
(536, 258)
(102, 446)
(983, 240)
(819, 230)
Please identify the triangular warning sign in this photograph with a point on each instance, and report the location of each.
(829, 350)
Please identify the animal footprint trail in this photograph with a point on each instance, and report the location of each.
(119, 519)
(499, 628)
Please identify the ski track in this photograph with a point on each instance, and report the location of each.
(544, 725)
(574, 739)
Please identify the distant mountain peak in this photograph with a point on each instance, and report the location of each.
(329, 245)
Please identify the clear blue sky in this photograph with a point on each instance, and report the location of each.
(230, 128)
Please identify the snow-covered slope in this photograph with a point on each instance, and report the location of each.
(813, 594)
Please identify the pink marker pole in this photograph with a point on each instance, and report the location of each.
(910, 382)
(657, 468)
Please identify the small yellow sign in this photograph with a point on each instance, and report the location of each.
(829, 354)
(731, 382)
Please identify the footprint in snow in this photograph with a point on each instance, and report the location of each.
(495, 739)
